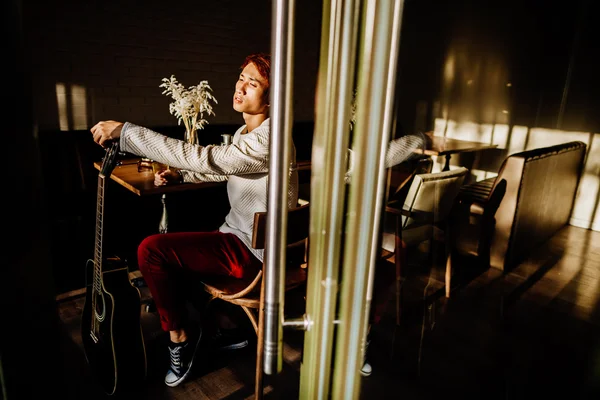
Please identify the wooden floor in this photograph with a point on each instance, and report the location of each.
(533, 333)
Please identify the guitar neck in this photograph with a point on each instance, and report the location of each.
(108, 164)
(98, 256)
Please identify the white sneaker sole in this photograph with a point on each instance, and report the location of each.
(235, 346)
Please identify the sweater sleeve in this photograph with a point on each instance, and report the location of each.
(398, 151)
(249, 156)
(403, 149)
(194, 177)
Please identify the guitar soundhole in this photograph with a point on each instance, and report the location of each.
(100, 309)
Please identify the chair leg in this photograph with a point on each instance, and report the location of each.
(448, 273)
(258, 384)
(398, 288)
(399, 260)
(249, 312)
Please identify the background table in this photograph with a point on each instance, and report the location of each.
(444, 146)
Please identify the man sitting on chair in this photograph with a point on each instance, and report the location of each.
(167, 261)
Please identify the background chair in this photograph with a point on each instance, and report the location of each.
(399, 179)
(420, 217)
(472, 225)
(540, 192)
(249, 294)
(400, 176)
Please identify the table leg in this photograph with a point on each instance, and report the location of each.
(447, 165)
(164, 220)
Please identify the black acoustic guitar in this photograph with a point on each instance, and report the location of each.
(110, 323)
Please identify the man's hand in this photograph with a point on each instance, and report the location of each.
(106, 131)
(167, 177)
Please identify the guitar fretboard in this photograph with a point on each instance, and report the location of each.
(99, 234)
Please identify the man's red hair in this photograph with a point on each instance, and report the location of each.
(262, 61)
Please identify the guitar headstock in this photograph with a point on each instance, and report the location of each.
(110, 159)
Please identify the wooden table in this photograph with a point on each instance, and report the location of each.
(142, 184)
(444, 146)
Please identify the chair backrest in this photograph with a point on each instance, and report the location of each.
(297, 226)
(297, 232)
(541, 189)
(433, 194)
(401, 176)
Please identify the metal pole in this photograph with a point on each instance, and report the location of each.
(282, 47)
(330, 144)
(388, 122)
(363, 213)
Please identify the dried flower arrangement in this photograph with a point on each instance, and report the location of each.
(190, 105)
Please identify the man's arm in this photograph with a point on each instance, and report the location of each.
(249, 157)
(194, 177)
(398, 151)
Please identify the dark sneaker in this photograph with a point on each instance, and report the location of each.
(182, 358)
(229, 339)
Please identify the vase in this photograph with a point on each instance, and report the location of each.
(191, 136)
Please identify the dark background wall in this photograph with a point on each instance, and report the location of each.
(112, 55)
(517, 73)
(459, 55)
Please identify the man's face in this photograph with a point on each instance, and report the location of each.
(249, 92)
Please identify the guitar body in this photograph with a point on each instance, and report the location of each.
(111, 331)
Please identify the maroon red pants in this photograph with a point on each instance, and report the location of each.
(172, 262)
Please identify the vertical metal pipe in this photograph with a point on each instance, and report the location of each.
(330, 144)
(363, 215)
(388, 123)
(282, 47)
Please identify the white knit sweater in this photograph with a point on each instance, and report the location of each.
(243, 164)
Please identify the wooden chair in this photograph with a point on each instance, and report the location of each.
(422, 215)
(399, 179)
(249, 294)
(472, 225)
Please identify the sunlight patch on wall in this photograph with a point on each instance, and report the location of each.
(588, 193)
(586, 211)
(586, 203)
(61, 101)
(542, 137)
(497, 134)
(72, 107)
(517, 139)
(78, 107)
